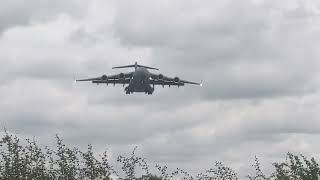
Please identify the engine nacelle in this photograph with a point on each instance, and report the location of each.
(121, 76)
(104, 77)
(176, 80)
(160, 77)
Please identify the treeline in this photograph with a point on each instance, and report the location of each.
(25, 160)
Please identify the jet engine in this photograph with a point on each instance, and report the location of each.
(176, 80)
(160, 77)
(104, 77)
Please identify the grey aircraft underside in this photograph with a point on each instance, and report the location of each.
(140, 80)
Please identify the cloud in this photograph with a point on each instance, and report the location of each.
(230, 45)
(22, 13)
(258, 60)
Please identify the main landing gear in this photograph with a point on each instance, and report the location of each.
(149, 90)
(149, 93)
(128, 90)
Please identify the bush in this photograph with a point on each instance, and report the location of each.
(296, 167)
(27, 161)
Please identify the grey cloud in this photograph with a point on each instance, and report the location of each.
(20, 13)
(269, 122)
(211, 39)
(59, 108)
(257, 60)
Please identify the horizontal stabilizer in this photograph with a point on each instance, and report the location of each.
(136, 65)
(117, 67)
(147, 67)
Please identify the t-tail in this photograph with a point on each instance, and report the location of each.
(135, 66)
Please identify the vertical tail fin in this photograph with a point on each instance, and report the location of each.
(136, 65)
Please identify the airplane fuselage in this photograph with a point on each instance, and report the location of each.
(140, 82)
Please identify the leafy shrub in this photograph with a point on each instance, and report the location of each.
(297, 167)
(27, 161)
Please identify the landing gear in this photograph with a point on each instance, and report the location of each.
(149, 90)
(128, 90)
(149, 93)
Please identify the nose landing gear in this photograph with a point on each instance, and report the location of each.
(128, 90)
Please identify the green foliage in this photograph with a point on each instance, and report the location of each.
(259, 175)
(93, 168)
(30, 162)
(297, 167)
(218, 172)
(27, 161)
(18, 162)
(153, 177)
(129, 165)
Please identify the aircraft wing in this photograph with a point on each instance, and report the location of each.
(122, 78)
(165, 80)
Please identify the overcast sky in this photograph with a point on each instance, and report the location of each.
(259, 61)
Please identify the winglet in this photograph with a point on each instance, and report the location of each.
(74, 79)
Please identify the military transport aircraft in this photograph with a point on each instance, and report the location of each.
(140, 80)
